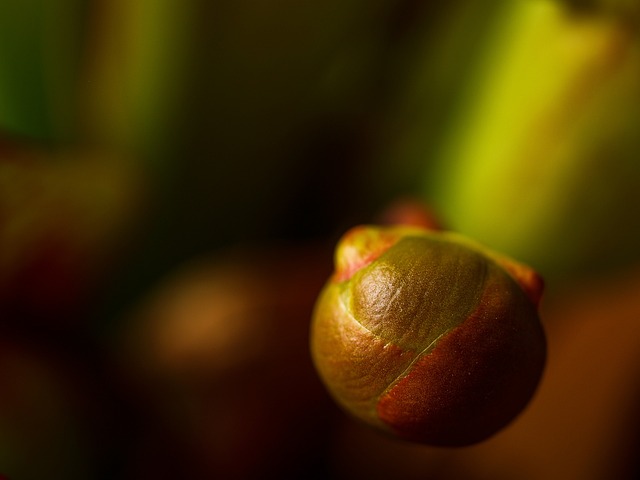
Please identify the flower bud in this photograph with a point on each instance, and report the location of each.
(427, 335)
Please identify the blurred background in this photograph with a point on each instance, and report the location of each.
(174, 176)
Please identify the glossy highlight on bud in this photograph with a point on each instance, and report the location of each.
(428, 335)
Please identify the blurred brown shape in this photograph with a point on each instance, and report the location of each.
(219, 353)
(63, 216)
(411, 212)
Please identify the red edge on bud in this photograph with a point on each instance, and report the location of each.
(359, 247)
(529, 280)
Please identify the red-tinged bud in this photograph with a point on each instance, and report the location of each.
(428, 335)
(362, 245)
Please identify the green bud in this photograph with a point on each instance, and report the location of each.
(427, 335)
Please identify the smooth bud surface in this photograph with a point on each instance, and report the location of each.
(428, 335)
